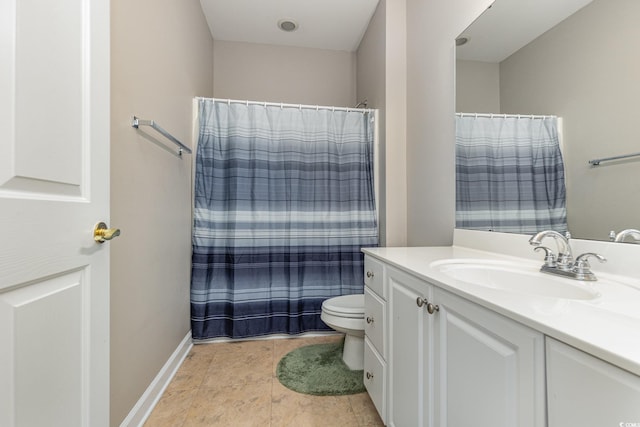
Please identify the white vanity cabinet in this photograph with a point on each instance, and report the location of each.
(588, 392)
(456, 355)
(461, 365)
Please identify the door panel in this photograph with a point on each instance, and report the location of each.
(44, 125)
(44, 348)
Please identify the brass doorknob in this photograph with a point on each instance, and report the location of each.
(101, 233)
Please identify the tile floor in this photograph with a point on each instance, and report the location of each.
(234, 384)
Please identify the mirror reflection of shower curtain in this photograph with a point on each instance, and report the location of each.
(509, 174)
(284, 201)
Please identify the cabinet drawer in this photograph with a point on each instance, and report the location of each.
(375, 377)
(373, 272)
(374, 316)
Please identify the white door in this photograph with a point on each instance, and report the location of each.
(54, 186)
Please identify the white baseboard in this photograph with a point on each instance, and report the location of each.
(142, 409)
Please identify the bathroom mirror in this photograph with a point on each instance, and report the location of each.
(578, 60)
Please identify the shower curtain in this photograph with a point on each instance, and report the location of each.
(284, 201)
(509, 174)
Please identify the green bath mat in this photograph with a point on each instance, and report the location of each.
(318, 369)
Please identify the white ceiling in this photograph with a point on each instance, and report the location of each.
(323, 24)
(511, 24)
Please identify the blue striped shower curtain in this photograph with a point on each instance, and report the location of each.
(509, 174)
(284, 202)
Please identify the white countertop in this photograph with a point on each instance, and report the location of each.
(607, 326)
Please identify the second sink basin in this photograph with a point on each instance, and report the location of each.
(513, 277)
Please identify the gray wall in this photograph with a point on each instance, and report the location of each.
(477, 87)
(431, 29)
(370, 85)
(381, 78)
(260, 72)
(161, 57)
(586, 71)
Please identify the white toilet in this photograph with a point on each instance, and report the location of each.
(346, 314)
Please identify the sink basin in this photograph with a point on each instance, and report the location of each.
(514, 277)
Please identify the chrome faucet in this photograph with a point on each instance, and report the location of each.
(564, 260)
(563, 264)
(632, 232)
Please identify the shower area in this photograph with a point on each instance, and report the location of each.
(284, 201)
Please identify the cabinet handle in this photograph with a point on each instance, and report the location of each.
(421, 301)
(369, 274)
(369, 375)
(432, 308)
(369, 319)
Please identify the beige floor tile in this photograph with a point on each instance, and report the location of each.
(172, 409)
(289, 408)
(241, 365)
(242, 346)
(190, 374)
(235, 405)
(365, 412)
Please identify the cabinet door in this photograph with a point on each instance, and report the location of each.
(588, 392)
(490, 368)
(409, 338)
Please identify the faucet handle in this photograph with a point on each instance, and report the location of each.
(549, 256)
(582, 261)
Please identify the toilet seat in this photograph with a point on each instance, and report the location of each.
(349, 306)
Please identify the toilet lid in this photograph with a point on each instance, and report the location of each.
(347, 305)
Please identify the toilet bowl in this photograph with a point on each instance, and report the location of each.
(346, 314)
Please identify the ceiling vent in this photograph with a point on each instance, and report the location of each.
(287, 25)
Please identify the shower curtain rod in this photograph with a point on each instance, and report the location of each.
(504, 116)
(283, 105)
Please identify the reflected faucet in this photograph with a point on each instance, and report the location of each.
(564, 260)
(632, 232)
